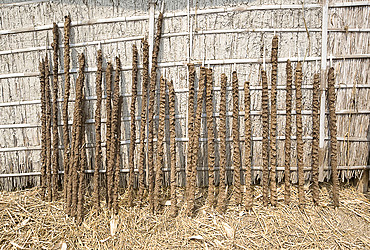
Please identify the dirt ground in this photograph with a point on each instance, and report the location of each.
(29, 223)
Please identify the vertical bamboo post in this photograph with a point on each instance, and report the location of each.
(43, 129)
(161, 132)
(315, 138)
(211, 131)
(236, 139)
(333, 136)
(98, 149)
(288, 131)
(55, 160)
(144, 103)
(298, 83)
(67, 86)
(172, 114)
(247, 149)
(222, 128)
(133, 126)
(273, 134)
(265, 134)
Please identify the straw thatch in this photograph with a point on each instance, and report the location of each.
(28, 223)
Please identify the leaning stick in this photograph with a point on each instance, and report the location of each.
(265, 133)
(43, 129)
(133, 127)
(172, 114)
(211, 131)
(67, 86)
(55, 113)
(48, 130)
(191, 70)
(298, 81)
(117, 170)
(236, 139)
(247, 149)
(77, 134)
(333, 136)
(144, 102)
(273, 134)
(161, 131)
(108, 103)
(288, 130)
(98, 149)
(115, 138)
(315, 138)
(194, 142)
(221, 206)
(153, 78)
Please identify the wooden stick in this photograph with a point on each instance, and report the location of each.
(108, 103)
(98, 148)
(298, 82)
(211, 131)
(67, 86)
(48, 130)
(172, 113)
(248, 150)
(333, 136)
(55, 160)
(236, 139)
(274, 60)
(159, 151)
(265, 142)
(288, 130)
(143, 125)
(133, 126)
(43, 129)
(315, 140)
(221, 206)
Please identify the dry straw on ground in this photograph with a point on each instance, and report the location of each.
(28, 222)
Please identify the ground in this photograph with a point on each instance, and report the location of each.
(29, 223)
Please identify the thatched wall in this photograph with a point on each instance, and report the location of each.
(234, 35)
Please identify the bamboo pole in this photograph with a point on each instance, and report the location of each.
(98, 148)
(55, 160)
(159, 151)
(333, 136)
(274, 60)
(173, 176)
(298, 83)
(247, 149)
(133, 126)
(221, 206)
(67, 86)
(236, 139)
(265, 142)
(211, 131)
(288, 131)
(143, 121)
(315, 140)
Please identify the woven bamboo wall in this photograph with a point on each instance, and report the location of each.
(235, 35)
